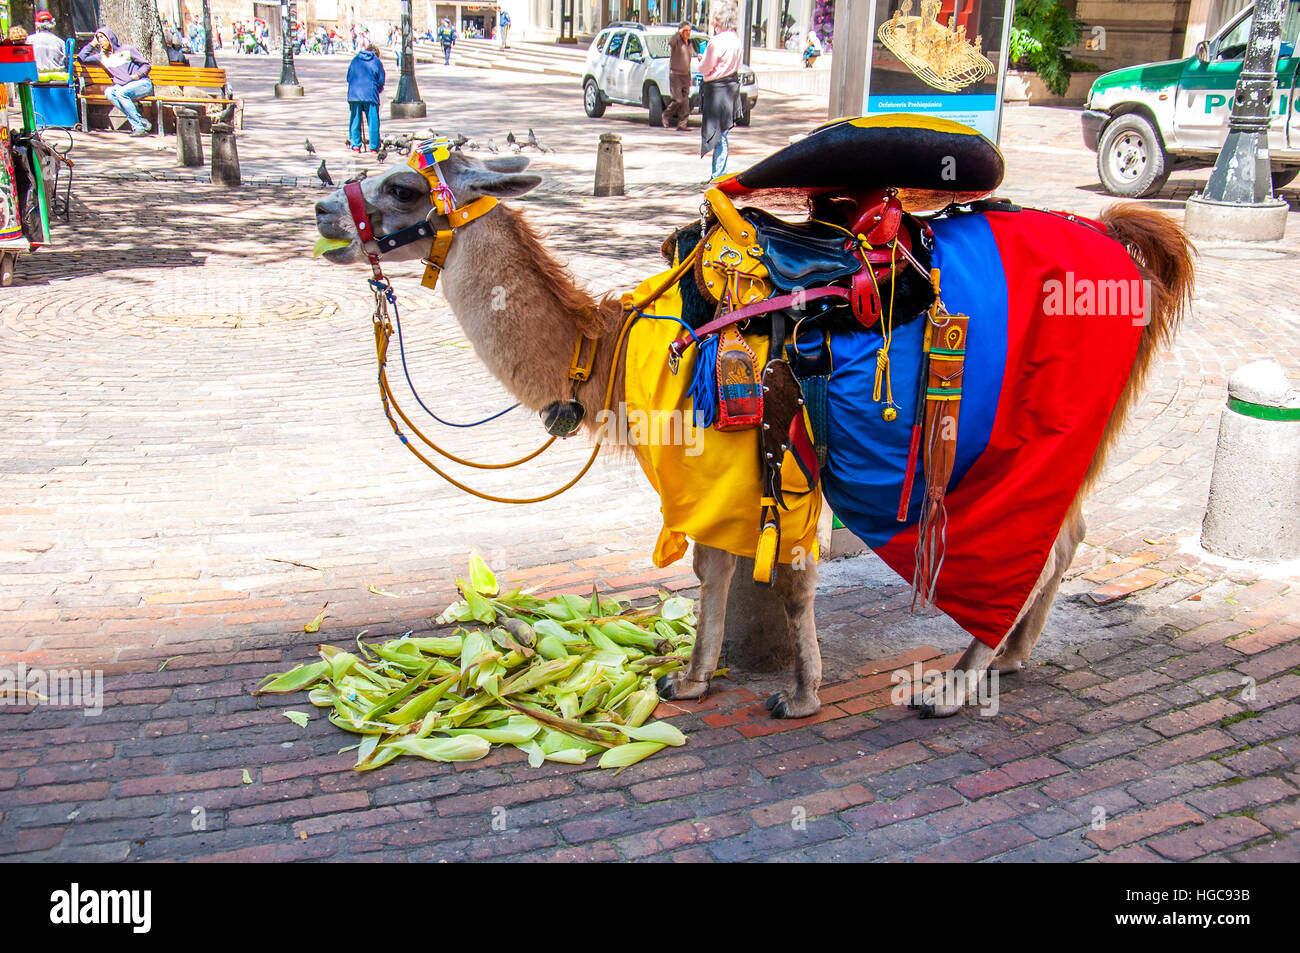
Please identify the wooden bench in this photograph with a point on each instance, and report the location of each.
(172, 86)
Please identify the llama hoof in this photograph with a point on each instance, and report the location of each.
(782, 705)
(674, 687)
(938, 711)
(1007, 666)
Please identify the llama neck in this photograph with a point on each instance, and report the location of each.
(523, 313)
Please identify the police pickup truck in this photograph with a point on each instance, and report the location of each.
(1146, 121)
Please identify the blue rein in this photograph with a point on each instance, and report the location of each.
(387, 290)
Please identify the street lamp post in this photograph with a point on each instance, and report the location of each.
(407, 103)
(1238, 201)
(288, 85)
(209, 57)
(749, 31)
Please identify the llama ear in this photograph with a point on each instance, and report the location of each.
(501, 185)
(507, 164)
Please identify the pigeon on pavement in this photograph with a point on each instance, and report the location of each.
(323, 174)
(311, 150)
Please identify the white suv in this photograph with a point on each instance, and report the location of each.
(628, 63)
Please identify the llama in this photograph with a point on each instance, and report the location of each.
(559, 312)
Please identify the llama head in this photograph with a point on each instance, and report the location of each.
(401, 197)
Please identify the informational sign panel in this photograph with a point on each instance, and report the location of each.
(940, 58)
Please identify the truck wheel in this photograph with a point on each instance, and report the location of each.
(1284, 176)
(591, 100)
(656, 104)
(1131, 159)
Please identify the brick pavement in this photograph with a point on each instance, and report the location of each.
(193, 462)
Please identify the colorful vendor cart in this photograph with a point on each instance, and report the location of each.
(24, 212)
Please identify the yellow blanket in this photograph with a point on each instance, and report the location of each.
(709, 481)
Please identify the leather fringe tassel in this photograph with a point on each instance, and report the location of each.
(931, 543)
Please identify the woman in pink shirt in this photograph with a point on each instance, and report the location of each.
(720, 100)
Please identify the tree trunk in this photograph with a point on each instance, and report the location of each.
(136, 23)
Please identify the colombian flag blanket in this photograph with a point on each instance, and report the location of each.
(1056, 311)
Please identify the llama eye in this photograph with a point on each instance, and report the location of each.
(402, 193)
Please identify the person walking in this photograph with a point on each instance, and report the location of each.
(365, 83)
(447, 39)
(680, 54)
(720, 99)
(503, 24)
(129, 72)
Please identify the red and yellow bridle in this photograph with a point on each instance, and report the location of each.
(424, 160)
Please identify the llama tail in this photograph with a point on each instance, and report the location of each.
(1164, 256)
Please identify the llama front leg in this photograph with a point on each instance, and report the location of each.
(797, 588)
(715, 568)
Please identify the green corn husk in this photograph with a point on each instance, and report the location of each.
(626, 633)
(423, 703)
(294, 680)
(515, 730)
(561, 679)
(465, 748)
(625, 686)
(624, 756)
(446, 646)
(593, 697)
(549, 647)
(480, 577)
(639, 706)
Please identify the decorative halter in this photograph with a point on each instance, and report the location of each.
(424, 160)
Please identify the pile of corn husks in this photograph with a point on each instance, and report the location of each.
(561, 679)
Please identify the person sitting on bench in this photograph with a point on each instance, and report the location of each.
(129, 72)
(51, 57)
(175, 53)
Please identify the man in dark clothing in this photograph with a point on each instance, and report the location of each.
(680, 54)
(129, 72)
(446, 39)
(365, 83)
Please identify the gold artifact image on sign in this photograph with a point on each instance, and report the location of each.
(939, 55)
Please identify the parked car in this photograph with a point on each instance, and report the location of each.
(627, 63)
(1146, 121)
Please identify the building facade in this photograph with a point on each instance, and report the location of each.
(1131, 31)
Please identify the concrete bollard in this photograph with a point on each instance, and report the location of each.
(225, 156)
(1254, 506)
(609, 165)
(189, 144)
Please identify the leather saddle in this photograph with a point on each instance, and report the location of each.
(801, 254)
(813, 253)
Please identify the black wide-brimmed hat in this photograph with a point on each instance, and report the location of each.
(933, 162)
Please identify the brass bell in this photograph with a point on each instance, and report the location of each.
(890, 414)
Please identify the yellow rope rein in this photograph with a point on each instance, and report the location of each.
(383, 332)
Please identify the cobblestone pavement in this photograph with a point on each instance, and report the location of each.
(193, 461)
